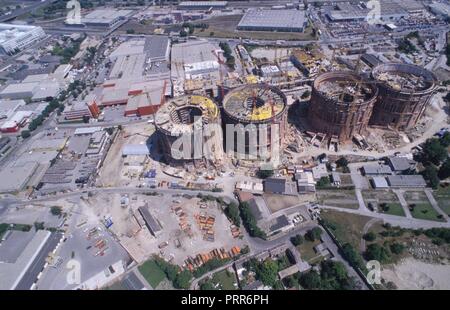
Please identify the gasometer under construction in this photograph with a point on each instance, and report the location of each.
(189, 129)
(255, 116)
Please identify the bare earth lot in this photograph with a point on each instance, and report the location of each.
(412, 274)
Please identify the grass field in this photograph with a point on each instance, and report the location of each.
(225, 280)
(339, 198)
(393, 209)
(442, 196)
(346, 227)
(152, 273)
(426, 212)
(307, 252)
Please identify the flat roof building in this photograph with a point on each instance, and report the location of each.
(105, 18)
(376, 169)
(26, 258)
(401, 164)
(273, 20)
(379, 182)
(198, 5)
(14, 38)
(151, 222)
(412, 181)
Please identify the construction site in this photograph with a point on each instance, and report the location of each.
(404, 93)
(190, 119)
(259, 105)
(341, 105)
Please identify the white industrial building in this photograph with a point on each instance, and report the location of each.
(14, 38)
(205, 5)
(390, 11)
(273, 20)
(105, 18)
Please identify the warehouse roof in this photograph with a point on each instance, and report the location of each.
(415, 180)
(135, 149)
(203, 3)
(12, 273)
(156, 46)
(193, 51)
(377, 169)
(379, 182)
(105, 15)
(401, 163)
(86, 130)
(151, 222)
(7, 107)
(273, 18)
(274, 185)
(15, 178)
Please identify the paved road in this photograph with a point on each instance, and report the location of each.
(403, 202)
(22, 11)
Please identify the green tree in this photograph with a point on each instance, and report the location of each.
(25, 134)
(297, 240)
(444, 171)
(377, 252)
(264, 173)
(56, 210)
(433, 152)
(313, 234)
(397, 248)
(370, 236)
(183, 280)
(130, 31)
(352, 256)
(431, 175)
(310, 280)
(232, 212)
(250, 223)
(207, 286)
(323, 182)
(342, 162)
(268, 272)
(445, 139)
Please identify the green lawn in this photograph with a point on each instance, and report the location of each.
(152, 273)
(225, 279)
(307, 252)
(346, 227)
(442, 196)
(393, 209)
(426, 212)
(3, 229)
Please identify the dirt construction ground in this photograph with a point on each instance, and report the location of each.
(141, 244)
(112, 173)
(412, 274)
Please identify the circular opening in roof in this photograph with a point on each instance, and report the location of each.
(186, 115)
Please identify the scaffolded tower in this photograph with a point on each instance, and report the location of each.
(404, 93)
(189, 129)
(341, 104)
(260, 109)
